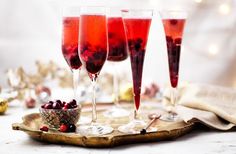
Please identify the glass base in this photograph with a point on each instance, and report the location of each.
(94, 129)
(134, 127)
(170, 117)
(116, 112)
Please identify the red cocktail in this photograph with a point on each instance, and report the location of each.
(173, 22)
(137, 24)
(174, 31)
(137, 35)
(70, 33)
(93, 44)
(117, 53)
(117, 40)
(70, 41)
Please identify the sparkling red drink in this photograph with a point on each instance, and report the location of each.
(174, 31)
(70, 41)
(137, 35)
(117, 39)
(93, 43)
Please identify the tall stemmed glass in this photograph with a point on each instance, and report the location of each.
(117, 53)
(93, 50)
(173, 22)
(70, 32)
(137, 24)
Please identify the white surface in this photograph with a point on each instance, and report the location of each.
(197, 142)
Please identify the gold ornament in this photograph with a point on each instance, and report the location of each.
(126, 93)
(3, 106)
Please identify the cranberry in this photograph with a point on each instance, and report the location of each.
(56, 105)
(178, 41)
(137, 46)
(71, 128)
(59, 102)
(44, 128)
(67, 106)
(48, 106)
(169, 39)
(74, 106)
(173, 21)
(139, 40)
(51, 102)
(73, 102)
(43, 106)
(63, 128)
(63, 104)
(75, 61)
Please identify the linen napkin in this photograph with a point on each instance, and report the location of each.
(211, 105)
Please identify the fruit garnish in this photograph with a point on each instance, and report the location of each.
(71, 128)
(44, 128)
(58, 104)
(63, 128)
(173, 21)
(48, 106)
(178, 41)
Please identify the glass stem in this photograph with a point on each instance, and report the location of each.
(173, 98)
(135, 114)
(94, 113)
(115, 86)
(76, 75)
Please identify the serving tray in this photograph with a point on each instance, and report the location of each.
(166, 130)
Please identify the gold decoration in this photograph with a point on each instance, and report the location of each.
(3, 106)
(21, 82)
(126, 92)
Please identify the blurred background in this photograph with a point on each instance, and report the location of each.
(30, 30)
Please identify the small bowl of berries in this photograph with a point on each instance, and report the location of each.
(57, 113)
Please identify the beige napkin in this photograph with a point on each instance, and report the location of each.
(211, 105)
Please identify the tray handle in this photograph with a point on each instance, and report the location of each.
(19, 126)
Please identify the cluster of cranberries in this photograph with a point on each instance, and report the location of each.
(63, 128)
(58, 104)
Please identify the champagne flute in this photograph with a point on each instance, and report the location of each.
(137, 24)
(117, 53)
(70, 32)
(173, 22)
(93, 51)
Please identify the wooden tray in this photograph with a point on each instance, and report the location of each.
(166, 131)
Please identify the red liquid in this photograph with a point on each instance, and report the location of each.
(70, 41)
(137, 35)
(93, 42)
(174, 31)
(117, 40)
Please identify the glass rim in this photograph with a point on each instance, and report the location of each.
(173, 14)
(137, 13)
(93, 10)
(132, 10)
